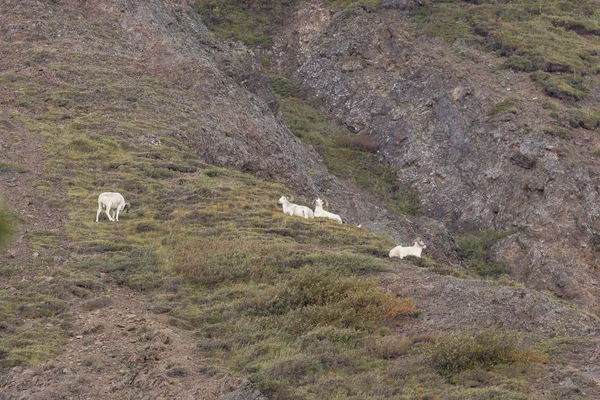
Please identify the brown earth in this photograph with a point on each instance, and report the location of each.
(122, 351)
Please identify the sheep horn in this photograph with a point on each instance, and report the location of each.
(290, 198)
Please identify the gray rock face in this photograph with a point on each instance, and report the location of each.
(236, 111)
(244, 391)
(398, 4)
(431, 106)
(455, 304)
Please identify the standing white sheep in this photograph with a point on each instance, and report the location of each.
(320, 213)
(112, 200)
(414, 250)
(295, 209)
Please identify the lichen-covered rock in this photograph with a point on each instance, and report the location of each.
(245, 391)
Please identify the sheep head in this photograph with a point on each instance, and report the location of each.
(127, 207)
(284, 199)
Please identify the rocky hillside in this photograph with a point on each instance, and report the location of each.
(486, 147)
(206, 283)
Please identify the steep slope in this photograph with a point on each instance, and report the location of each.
(480, 143)
(135, 96)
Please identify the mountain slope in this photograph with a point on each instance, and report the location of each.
(137, 97)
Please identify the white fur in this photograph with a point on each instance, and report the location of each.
(414, 250)
(320, 213)
(111, 200)
(295, 209)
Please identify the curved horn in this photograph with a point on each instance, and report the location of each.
(290, 197)
(314, 202)
(326, 203)
(127, 207)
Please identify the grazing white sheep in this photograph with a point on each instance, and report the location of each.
(320, 213)
(295, 209)
(414, 250)
(110, 200)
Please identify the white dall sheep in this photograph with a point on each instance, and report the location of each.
(111, 200)
(320, 213)
(414, 250)
(295, 209)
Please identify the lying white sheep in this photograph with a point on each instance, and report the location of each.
(320, 213)
(295, 209)
(414, 250)
(110, 200)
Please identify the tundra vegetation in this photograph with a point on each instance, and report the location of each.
(476, 250)
(295, 305)
(5, 226)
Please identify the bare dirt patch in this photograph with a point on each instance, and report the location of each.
(118, 352)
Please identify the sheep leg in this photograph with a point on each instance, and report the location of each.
(99, 211)
(117, 214)
(108, 207)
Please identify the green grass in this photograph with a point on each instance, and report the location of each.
(26, 346)
(34, 315)
(244, 281)
(566, 87)
(475, 249)
(252, 23)
(445, 21)
(344, 4)
(6, 166)
(509, 105)
(6, 228)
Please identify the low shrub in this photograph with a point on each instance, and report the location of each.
(509, 105)
(564, 87)
(387, 347)
(475, 249)
(491, 347)
(283, 86)
(518, 63)
(345, 262)
(214, 262)
(312, 299)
